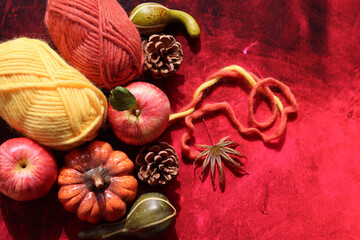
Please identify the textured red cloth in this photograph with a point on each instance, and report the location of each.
(306, 185)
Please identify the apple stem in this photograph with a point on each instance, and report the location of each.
(99, 183)
(136, 112)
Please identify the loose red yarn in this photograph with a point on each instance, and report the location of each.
(97, 38)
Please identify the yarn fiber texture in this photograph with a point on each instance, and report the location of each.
(97, 38)
(46, 99)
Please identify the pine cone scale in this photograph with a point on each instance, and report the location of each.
(159, 46)
(163, 153)
(144, 173)
(149, 157)
(167, 40)
(173, 49)
(159, 64)
(155, 148)
(150, 46)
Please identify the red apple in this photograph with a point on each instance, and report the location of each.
(147, 120)
(27, 169)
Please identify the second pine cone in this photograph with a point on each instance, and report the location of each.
(163, 55)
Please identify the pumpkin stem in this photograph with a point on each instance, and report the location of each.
(99, 183)
(97, 179)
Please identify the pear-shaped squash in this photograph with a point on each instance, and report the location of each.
(96, 182)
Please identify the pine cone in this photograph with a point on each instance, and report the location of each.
(163, 55)
(158, 163)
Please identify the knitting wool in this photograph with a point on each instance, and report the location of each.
(97, 38)
(44, 98)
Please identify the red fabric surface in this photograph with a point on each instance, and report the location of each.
(304, 186)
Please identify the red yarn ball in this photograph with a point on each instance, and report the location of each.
(97, 38)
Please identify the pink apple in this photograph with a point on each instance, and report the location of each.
(147, 120)
(27, 169)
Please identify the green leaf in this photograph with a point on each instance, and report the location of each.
(122, 99)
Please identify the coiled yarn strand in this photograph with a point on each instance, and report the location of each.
(190, 113)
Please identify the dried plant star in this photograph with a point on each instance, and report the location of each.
(215, 154)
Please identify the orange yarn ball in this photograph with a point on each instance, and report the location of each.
(97, 38)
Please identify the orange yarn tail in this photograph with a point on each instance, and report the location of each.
(258, 85)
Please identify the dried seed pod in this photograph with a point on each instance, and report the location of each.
(163, 55)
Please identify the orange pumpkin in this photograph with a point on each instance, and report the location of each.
(96, 182)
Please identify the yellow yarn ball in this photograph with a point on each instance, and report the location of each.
(46, 99)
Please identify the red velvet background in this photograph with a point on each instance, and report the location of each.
(304, 186)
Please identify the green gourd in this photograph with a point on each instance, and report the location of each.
(151, 215)
(152, 18)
